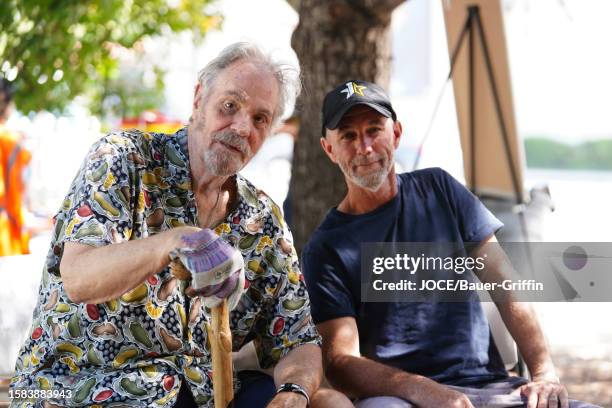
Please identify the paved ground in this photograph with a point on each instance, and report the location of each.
(586, 379)
(580, 338)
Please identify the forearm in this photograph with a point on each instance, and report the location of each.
(519, 318)
(522, 323)
(301, 366)
(96, 275)
(360, 377)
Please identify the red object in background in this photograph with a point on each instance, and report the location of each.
(152, 121)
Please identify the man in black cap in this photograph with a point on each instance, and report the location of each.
(395, 354)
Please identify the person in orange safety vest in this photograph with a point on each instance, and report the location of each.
(14, 160)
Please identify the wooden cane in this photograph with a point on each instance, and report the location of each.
(221, 350)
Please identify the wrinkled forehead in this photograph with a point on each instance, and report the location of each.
(250, 82)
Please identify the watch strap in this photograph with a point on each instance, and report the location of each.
(296, 388)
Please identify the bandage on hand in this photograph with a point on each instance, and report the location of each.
(216, 268)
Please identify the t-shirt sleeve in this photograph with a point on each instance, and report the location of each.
(286, 317)
(476, 222)
(98, 208)
(329, 294)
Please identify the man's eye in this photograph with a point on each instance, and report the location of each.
(261, 120)
(229, 105)
(348, 136)
(374, 130)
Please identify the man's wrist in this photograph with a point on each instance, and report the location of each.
(294, 389)
(550, 376)
(545, 372)
(290, 399)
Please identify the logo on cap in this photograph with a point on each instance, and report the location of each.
(352, 88)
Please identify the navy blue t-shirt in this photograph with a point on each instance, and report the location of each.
(448, 342)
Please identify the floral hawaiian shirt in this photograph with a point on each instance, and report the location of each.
(137, 349)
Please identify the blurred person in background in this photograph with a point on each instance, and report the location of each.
(14, 161)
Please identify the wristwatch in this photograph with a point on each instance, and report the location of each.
(291, 387)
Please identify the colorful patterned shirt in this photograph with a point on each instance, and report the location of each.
(137, 349)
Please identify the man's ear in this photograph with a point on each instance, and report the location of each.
(397, 133)
(328, 149)
(197, 96)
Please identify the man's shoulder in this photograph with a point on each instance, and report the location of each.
(117, 144)
(137, 138)
(424, 182)
(143, 148)
(125, 137)
(425, 175)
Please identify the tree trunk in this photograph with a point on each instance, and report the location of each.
(335, 41)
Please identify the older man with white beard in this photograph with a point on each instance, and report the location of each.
(113, 324)
(402, 354)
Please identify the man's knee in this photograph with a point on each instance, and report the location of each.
(326, 397)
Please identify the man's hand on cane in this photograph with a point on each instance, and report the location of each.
(216, 270)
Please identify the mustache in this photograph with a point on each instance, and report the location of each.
(361, 160)
(234, 140)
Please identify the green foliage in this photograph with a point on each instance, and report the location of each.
(546, 153)
(58, 49)
(127, 95)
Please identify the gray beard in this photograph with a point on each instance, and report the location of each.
(221, 165)
(371, 181)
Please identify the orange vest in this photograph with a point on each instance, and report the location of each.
(14, 158)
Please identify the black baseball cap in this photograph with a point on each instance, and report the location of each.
(351, 93)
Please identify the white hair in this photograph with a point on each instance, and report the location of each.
(286, 75)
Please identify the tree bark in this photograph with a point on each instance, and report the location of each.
(335, 41)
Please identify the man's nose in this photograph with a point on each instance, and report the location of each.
(241, 124)
(365, 143)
